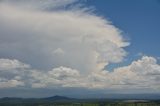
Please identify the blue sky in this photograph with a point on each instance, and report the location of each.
(53, 46)
(139, 21)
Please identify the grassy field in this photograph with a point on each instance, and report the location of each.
(84, 104)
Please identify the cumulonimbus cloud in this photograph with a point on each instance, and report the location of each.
(85, 48)
(65, 48)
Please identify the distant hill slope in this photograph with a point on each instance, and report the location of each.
(48, 99)
(54, 99)
(57, 98)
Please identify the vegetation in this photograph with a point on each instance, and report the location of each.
(64, 101)
(80, 104)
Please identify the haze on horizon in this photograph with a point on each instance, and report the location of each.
(71, 47)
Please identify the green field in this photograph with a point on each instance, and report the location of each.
(84, 104)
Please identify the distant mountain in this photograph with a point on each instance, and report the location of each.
(37, 100)
(66, 101)
(58, 98)
(10, 98)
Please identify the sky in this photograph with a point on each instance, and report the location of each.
(139, 21)
(79, 48)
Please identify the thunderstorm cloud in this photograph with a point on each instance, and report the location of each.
(55, 44)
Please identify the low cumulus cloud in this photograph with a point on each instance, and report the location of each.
(43, 45)
(143, 73)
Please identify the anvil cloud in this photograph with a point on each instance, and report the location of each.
(44, 45)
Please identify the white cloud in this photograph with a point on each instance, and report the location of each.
(7, 64)
(11, 73)
(39, 4)
(89, 41)
(57, 77)
(66, 48)
(58, 52)
(143, 73)
(10, 83)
